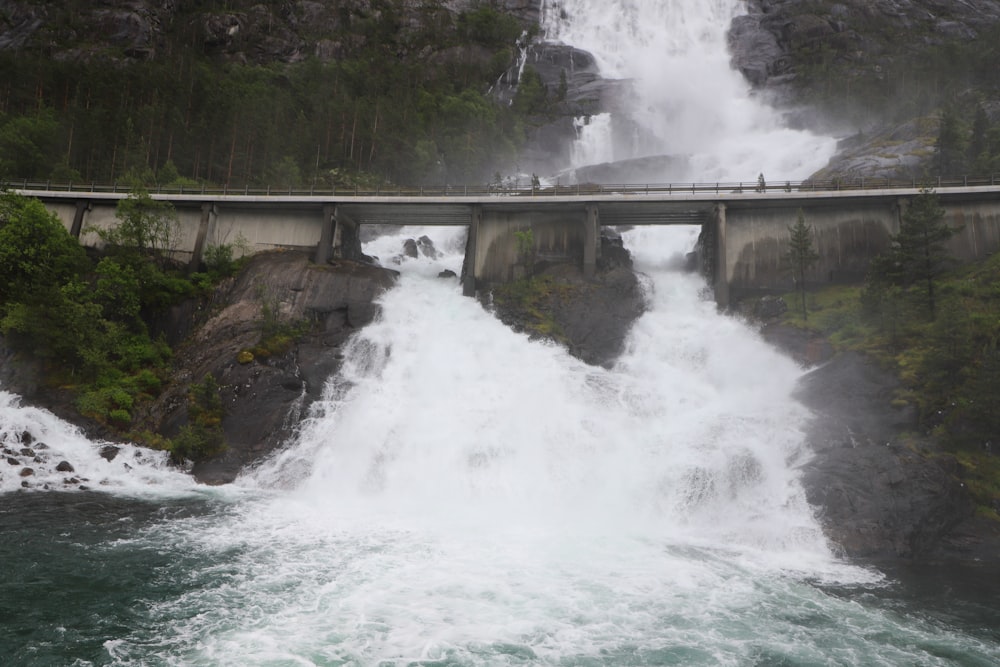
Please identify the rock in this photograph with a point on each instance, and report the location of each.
(768, 307)
(755, 50)
(410, 249)
(27, 472)
(65, 466)
(264, 400)
(807, 347)
(591, 317)
(30, 453)
(878, 497)
(447, 273)
(26, 438)
(12, 461)
(426, 247)
(109, 452)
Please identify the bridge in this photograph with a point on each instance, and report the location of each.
(744, 225)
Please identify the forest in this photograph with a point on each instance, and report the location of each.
(403, 102)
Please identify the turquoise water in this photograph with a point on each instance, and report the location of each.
(91, 579)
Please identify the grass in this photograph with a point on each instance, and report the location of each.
(530, 300)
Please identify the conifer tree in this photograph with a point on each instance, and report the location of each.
(920, 247)
(950, 148)
(801, 256)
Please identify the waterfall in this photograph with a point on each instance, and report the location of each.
(686, 100)
(464, 495)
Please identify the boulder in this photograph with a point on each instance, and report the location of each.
(265, 396)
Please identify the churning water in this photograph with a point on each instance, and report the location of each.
(466, 496)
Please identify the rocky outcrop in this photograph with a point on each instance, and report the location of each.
(247, 31)
(591, 317)
(773, 38)
(827, 56)
(880, 493)
(268, 373)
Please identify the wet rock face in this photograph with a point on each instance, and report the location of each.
(765, 42)
(266, 393)
(591, 317)
(878, 495)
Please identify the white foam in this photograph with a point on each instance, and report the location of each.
(132, 470)
(687, 100)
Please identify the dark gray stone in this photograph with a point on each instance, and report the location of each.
(879, 495)
(263, 400)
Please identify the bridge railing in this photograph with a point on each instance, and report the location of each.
(558, 190)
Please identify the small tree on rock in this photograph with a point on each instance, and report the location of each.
(801, 256)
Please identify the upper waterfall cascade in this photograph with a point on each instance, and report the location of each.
(686, 101)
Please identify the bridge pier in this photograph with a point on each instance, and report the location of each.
(469, 265)
(721, 261)
(207, 210)
(591, 240)
(326, 236)
(81, 211)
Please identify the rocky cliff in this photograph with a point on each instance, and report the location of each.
(875, 72)
(247, 31)
(271, 342)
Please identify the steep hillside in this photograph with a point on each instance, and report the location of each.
(238, 92)
(883, 73)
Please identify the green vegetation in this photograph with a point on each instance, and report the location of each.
(202, 437)
(801, 255)
(948, 365)
(882, 72)
(85, 319)
(530, 302)
(525, 240)
(915, 261)
(402, 102)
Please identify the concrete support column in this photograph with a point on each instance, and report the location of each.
(470, 264)
(324, 250)
(199, 243)
(721, 261)
(591, 237)
(899, 209)
(81, 211)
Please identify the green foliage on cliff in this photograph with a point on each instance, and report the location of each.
(202, 437)
(877, 69)
(85, 319)
(527, 304)
(915, 261)
(949, 368)
(404, 100)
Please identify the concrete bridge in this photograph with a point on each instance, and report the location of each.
(744, 225)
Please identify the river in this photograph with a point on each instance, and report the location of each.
(464, 495)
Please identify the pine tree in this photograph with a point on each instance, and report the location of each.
(950, 147)
(920, 247)
(801, 256)
(978, 151)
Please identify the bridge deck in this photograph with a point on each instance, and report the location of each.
(616, 205)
